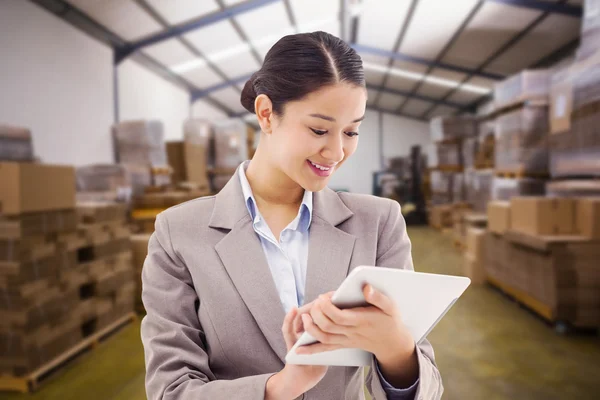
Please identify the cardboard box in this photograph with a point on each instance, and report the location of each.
(196, 162)
(15, 144)
(561, 101)
(189, 161)
(526, 85)
(452, 128)
(588, 217)
(474, 270)
(476, 243)
(543, 216)
(176, 157)
(499, 219)
(31, 188)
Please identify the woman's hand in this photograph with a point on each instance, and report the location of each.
(377, 329)
(293, 380)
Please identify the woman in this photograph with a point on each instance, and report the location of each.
(222, 272)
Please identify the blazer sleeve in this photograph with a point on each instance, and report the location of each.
(177, 364)
(394, 251)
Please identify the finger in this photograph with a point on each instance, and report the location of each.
(317, 348)
(337, 316)
(288, 334)
(323, 322)
(318, 334)
(379, 300)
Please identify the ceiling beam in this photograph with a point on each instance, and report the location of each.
(414, 96)
(570, 10)
(429, 63)
(509, 44)
(186, 27)
(445, 50)
(199, 94)
(399, 40)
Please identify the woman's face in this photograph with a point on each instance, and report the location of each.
(317, 134)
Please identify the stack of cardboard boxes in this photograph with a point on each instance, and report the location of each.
(140, 144)
(230, 150)
(139, 243)
(575, 106)
(452, 137)
(544, 252)
(189, 158)
(104, 271)
(37, 213)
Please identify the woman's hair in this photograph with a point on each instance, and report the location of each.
(301, 64)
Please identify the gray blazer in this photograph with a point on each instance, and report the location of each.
(213, 323)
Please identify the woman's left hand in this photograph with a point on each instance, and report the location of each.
(377, 328)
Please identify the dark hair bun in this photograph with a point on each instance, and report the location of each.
(301, 64)
(249, 95)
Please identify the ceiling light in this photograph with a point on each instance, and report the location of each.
(415, 76)
(245, 46)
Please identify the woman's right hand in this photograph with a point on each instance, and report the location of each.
(293, 380)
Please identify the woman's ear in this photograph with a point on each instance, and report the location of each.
(264, 112)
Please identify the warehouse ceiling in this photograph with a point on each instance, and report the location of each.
(423, 58)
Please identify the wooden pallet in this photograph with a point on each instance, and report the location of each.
(519, 174)
(525, 299)
(519, 103)
(484, 165)
(447, 168)
(32, 381)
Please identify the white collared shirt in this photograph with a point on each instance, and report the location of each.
(288, 257)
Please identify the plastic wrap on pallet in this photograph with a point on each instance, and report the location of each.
(452, 128)
(441, 181)
(122, 179)
(522, 140)
(15, 144)
(478, 188)
(230, 143)
(198, 132)
(458, 188)
(470, 147)
(573, 188)
(444, 155)
(526, 85)
(577, 153)
(140, 142)
(507, 188)
(586, 88)
(590, 29)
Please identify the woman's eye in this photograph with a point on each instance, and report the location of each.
(318, 132)
(351, 134)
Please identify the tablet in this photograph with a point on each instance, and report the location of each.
(422, 298)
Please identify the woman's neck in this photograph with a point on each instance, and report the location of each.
(271, 186)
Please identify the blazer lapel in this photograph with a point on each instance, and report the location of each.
(330, 248)
(243, 257)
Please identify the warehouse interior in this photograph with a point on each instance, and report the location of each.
(482, 121)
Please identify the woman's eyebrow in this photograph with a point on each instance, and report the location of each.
(331, 119)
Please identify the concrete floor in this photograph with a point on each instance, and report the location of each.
(486, 347)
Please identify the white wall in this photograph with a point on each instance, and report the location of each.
(202, 109)
(145, 95)
(57, 82)
(399, 134)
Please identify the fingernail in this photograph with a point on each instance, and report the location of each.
(370, 290)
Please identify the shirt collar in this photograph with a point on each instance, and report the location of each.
(302, 220)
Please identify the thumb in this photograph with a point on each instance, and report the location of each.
(379, 300)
